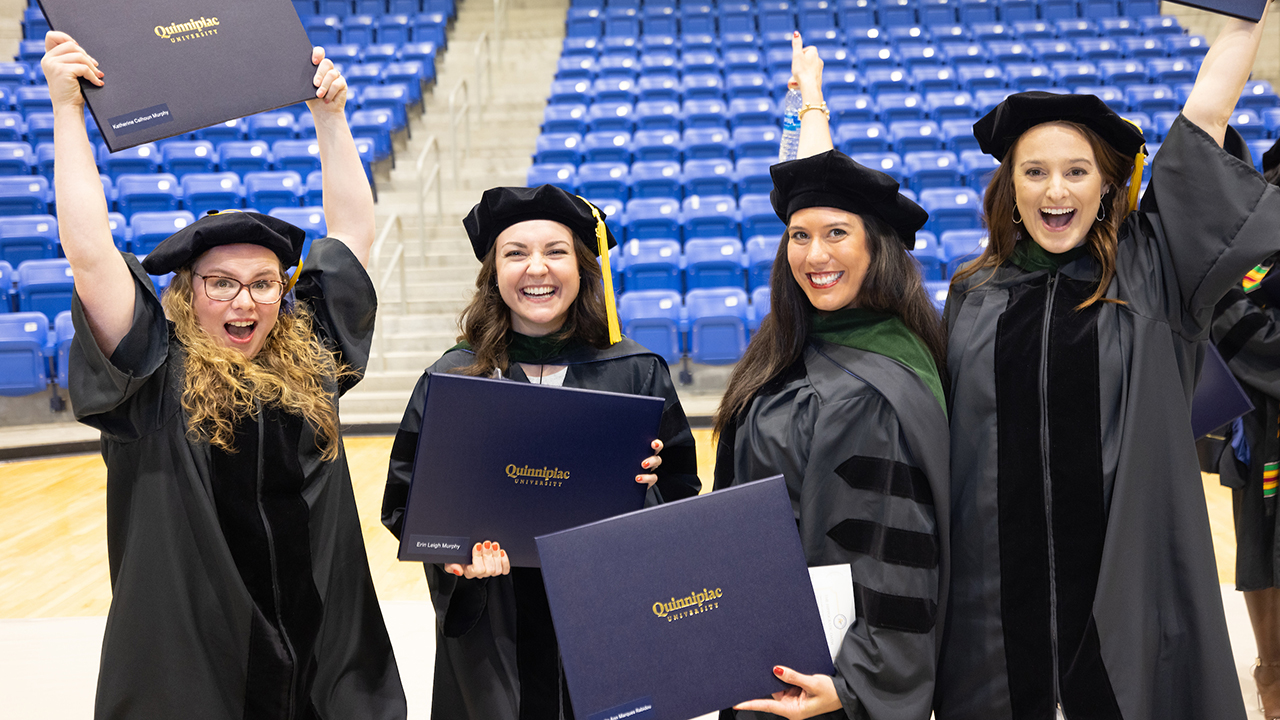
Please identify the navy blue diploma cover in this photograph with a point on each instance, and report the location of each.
(681, 609)
(1219, 399)
(1249, 10)
(173, 66)
(506, 461)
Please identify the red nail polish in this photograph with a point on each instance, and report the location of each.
(645, 464)
(777, 671)
(639, 478)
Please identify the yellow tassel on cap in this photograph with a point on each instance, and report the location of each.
(610, 304)
(293, 279)
(1135, 181)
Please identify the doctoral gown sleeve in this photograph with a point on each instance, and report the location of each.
(1217, 217)
(867, 502)
(678, 473)
(342, 299)
(1248, 336)
(122, 395)
(459, 602)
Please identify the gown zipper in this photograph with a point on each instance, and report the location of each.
(275, 572)
(1048, 485)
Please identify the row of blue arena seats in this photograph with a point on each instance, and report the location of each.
(1146, 28)
(33, 354)
(375, 7)
(370, 29)
(35, 237)
(742, 18)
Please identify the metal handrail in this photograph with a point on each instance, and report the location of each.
(427, 179)
(384, 270)
(484, 78)
(454, 113)
(499, 25)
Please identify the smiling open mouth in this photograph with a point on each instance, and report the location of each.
(538, 291)
(1057, 218)
(240, 329)
(824, 280)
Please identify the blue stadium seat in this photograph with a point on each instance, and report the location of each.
(917, 56)
(943, 106)
(866, 137)
(653, 218)
(1118, 27)
(990, 32)
(939, 12)
(706, 216)
(202, 192)
(740, 85)
(756, 142)
(702, 86)
(23, 195)
(119, 230)
(839, 85)
(32, 99)
(1258, 95)
(270, 126)
(926, 254)
(565, 118)
(64, 331)
(658, 88)
(915, 136)
(300, 156)
(705, 113)
(1248, 123)
(618, 66)
(1005, 52)
(1031, 29)
(965, 53)
(13, 128)
(855, 13)
(324, 29)
(928, 80)
(376, 125)
(937, 169)
(889, 163)
(570, 92)
(244, 156)
(6, 287)
(1122, 73)
(1162, 122)
(1099, 49)
(614, 89)
(758, 218)
(143, 158)
(394, 97)
(1257, 148)
(394, 29)
(707, 143)
(607, 146)
(16, 158)
(24, 339)
(363, 75)
(752, 174)
(1151, 98)
(897, 12)
(223, 132)
(1173, 71)
(1188, 46)
(1076, 27)
(717, 319)
(709, 177)
(958, 247)
(659, 22)
(182, 157)
(1271, 120)
(1112, 96)
(310, 219)
(266, 190)
(148, 229)
(44, 286)
(761, 252)
(652, 319)
(937, 290)
(558, 148)
(851, 108)
(28, 237)
(743, 61)
(1160, 25)
(951, 209)
(562, 175)
(657, 115)
(1072, 74)
(713, 262)
(656, 145)
(583, 46)
(154, 192)
(655, 179)
(359, 29)
(753, 112)
(584, 22)
(604, 180)
(14, 75)
(654, 264)
(611, 117)
(957, 135)
(1021, 76)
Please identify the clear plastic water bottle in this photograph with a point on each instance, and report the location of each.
(789, 148)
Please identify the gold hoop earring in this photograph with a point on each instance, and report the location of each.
(1017, 219)
(1102, 212)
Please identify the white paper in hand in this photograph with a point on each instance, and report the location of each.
(833, 587)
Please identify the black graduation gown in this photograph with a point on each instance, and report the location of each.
(240, 584)
(1247, 334)
(496, 653)
(863, 445)
(1082, 565)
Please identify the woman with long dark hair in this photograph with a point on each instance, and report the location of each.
(840, 392)
(540, 314)
(1083, 581)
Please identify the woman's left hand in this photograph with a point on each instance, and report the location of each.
(811, 695)
(331, 87)
(651, 463)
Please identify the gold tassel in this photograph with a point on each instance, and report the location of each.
(610, 304)
(293, 279)
(1135, 180)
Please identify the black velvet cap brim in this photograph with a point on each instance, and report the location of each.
(833, 179)
(999, 130)
(501, 207)
(226, 228)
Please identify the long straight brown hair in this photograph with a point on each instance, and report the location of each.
(892, 285)
(1103, 237)
(487, 319)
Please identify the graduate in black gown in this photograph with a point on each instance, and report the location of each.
(1083, 579)
(541, 314)
(1246, 331)
(840, 392)
(240, 585)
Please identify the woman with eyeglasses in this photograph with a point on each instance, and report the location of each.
(240, 585)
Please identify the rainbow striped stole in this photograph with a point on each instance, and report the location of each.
(1254, 277)
(1270, 478)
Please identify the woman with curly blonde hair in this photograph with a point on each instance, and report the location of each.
(240, 583)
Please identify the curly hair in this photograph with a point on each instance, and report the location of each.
(486, 320)
(1102, 239)
(293, 372)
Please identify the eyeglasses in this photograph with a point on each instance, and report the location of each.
(225, 289)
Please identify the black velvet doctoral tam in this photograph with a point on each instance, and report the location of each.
(226, 228)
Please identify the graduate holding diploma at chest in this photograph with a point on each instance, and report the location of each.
(240, 584)
(540, 314)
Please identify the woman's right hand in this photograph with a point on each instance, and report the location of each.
(806, 69)
(487, 560)
(64, 61)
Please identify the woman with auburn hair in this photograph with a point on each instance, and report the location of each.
(1083, 581)
(541, 314)
(840, 392)
(240, 585)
